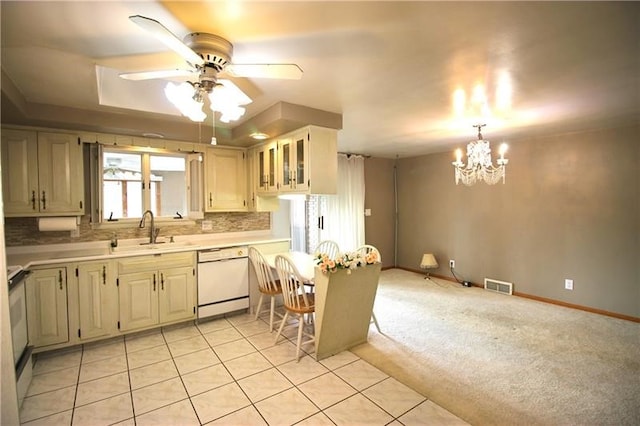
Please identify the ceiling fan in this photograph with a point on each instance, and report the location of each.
(207, 56)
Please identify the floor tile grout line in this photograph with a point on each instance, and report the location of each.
(251, 403)
(133, 407)
(244, 337)
(273, 366)
(186, 391)
(75, 396)
(54, 390)
(406, 411)
(294, 386)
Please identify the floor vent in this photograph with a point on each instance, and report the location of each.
(498, 286)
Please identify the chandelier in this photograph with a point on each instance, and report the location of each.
(479, 164)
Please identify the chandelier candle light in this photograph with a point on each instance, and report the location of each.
(479, 164)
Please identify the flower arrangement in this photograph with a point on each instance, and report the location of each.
(346, 261)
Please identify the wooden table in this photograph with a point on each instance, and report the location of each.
(304, 262)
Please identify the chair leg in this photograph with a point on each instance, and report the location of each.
(273, 308)
(299, 343)
(259, 305)
(375, 321)
(284, 320)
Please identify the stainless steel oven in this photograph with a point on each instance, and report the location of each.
(19, 336)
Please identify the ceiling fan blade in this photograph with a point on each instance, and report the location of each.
(160, 74)
(281, 71)
(159, 31)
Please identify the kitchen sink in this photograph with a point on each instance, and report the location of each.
(145, 247)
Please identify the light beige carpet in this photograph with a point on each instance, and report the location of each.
(493, 359)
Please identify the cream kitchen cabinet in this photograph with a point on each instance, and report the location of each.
(304, 161)
(257, 201)
(307, 161)
(292, 160)
(96, 296)
(225, 180)
(156, 290)
(47, 320)
(41, 173)
(265, 178)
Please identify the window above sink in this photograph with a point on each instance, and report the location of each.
(128, 180)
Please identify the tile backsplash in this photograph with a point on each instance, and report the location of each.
(23, 231)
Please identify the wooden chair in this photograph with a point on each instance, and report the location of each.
(365, 250)
(328, 247)
(266, 284)
(297, 301)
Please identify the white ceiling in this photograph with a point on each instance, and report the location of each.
(389, 68)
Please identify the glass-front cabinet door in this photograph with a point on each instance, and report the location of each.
(302, 153)
(294, 154)
(286, 171)
(267, 160)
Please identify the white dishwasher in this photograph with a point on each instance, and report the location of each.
(223, 280)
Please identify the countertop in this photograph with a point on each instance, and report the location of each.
(25, 257)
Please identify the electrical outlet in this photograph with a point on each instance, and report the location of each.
(452, 263)
(568, 284)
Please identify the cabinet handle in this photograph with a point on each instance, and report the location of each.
(104, 275)
(60, 278)
(154, 282)
(44, 200)
(210, 200)
(33, 199)
(162, 281)
(294, 180)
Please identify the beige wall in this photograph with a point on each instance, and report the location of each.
(570, 209)
(379, 197)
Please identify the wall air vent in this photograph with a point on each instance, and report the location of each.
(498, 286)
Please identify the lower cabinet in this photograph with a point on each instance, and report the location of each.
(162, 290)
(47, 320)
(138, 297)
(97, 300)
(177, 297)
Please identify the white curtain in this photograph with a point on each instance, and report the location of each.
(345, 211)
(298, 225)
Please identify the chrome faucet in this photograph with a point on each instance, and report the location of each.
(153, 232)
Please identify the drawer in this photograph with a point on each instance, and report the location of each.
(155, 262)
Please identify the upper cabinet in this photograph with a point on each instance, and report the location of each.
(41, 173)
(266, 166)
(304, 161)
(225, 180)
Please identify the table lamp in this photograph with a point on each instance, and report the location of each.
(428, 262)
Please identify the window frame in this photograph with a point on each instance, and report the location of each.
(193, 177)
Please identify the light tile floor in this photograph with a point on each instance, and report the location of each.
(226, 372)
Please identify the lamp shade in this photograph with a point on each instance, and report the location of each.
(428, 261)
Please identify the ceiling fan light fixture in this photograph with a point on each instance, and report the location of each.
(226, 94)
(227, 99)
(182, 96)
(232, 113)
